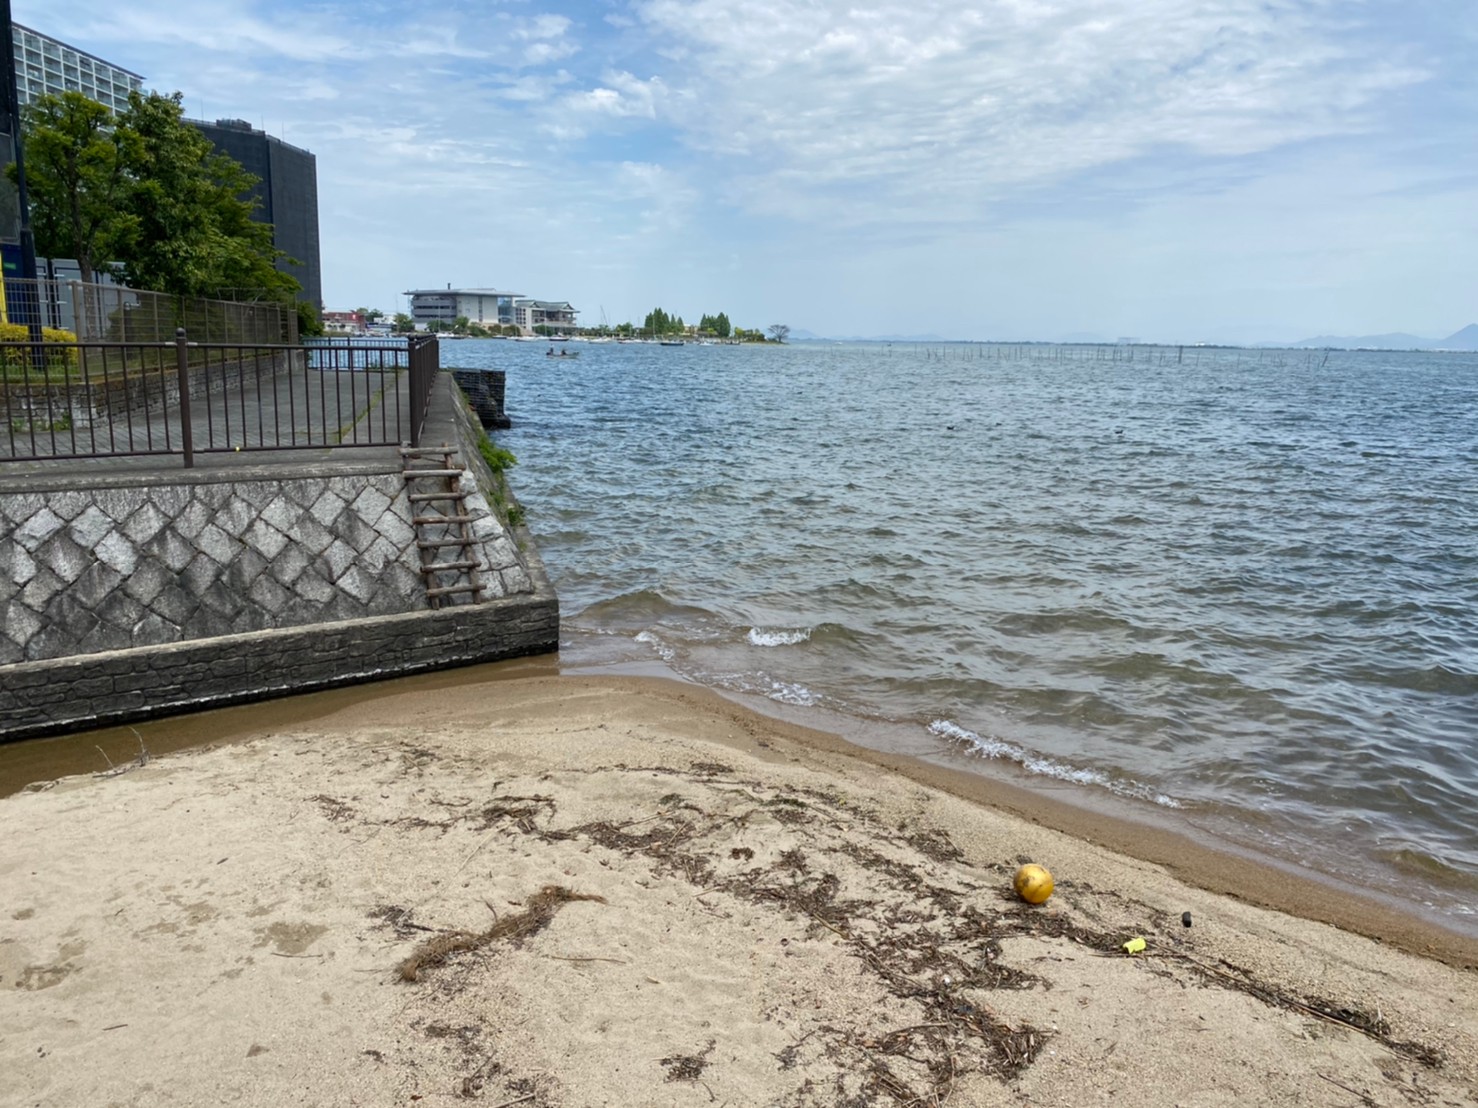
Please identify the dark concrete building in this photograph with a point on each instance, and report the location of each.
(286, 194)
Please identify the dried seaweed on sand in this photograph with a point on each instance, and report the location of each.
(542, 907)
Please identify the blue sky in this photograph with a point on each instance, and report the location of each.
(1179, 170)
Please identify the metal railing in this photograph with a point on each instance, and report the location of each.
(115, 313)
(106, 399)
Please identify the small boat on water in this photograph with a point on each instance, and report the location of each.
(672, 342)
(552, 353)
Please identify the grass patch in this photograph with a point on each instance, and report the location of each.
(500, 459)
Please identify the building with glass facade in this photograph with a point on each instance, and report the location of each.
(45, 65)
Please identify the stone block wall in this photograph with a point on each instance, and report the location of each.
(139, 592)
(88, 570)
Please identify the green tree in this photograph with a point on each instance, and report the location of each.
(779, 332)
(190, 233)
(403, 323)
(460, 325)
(309, 321)
(75, 178)
(658, 322)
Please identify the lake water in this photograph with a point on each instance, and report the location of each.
(1234, 588)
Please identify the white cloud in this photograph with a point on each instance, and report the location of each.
(621, 95)
(862, 158)
(930, 105)
(544, 26)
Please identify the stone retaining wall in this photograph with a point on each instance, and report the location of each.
(139, 593)
(96, 690)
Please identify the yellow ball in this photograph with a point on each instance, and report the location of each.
(1033, 884)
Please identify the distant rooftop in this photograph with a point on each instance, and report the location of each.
(75, 49)
(245, 128)
(459, 292)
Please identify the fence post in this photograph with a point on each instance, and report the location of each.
(182, 356)
(415, 361)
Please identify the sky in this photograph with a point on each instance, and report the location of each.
(1173, 170)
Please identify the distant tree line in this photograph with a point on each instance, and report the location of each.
(144, 197)
(657, 323)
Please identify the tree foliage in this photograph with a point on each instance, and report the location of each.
(658, 322)
(309, 321)
(75, 178)
(144, 195)
(716, 325)
(779, 332)
(192, 234)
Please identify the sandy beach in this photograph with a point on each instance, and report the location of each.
(569, 891)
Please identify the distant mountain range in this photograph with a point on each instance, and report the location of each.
(1466, 339)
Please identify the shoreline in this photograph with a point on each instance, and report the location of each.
(1251, 879)
(1200, 861)
(563, 890)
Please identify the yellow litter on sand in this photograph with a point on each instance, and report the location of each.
(1134, 945)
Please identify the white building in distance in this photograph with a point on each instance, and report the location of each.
(485, 306)
(556, 314)
(44, 65)
(489, 307)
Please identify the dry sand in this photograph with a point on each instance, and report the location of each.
(630, 892)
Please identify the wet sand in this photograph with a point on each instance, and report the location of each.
(641, 893)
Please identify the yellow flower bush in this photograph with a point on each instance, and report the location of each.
(62, 357)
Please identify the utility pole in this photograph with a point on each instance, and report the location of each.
(17, 243)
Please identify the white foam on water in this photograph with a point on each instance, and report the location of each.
(988, 747)
(789, 693)
(665, 652)
(777, 636)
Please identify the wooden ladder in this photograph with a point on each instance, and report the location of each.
(439, 512)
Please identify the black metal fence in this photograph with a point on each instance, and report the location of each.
(106, 399)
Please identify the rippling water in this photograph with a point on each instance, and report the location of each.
(1242, 586)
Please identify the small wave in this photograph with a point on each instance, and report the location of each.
(762, 684)
(641, 607)
(665, 652)
(777, 636)
(788, 692)
(988, 747)
(1430, 867)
